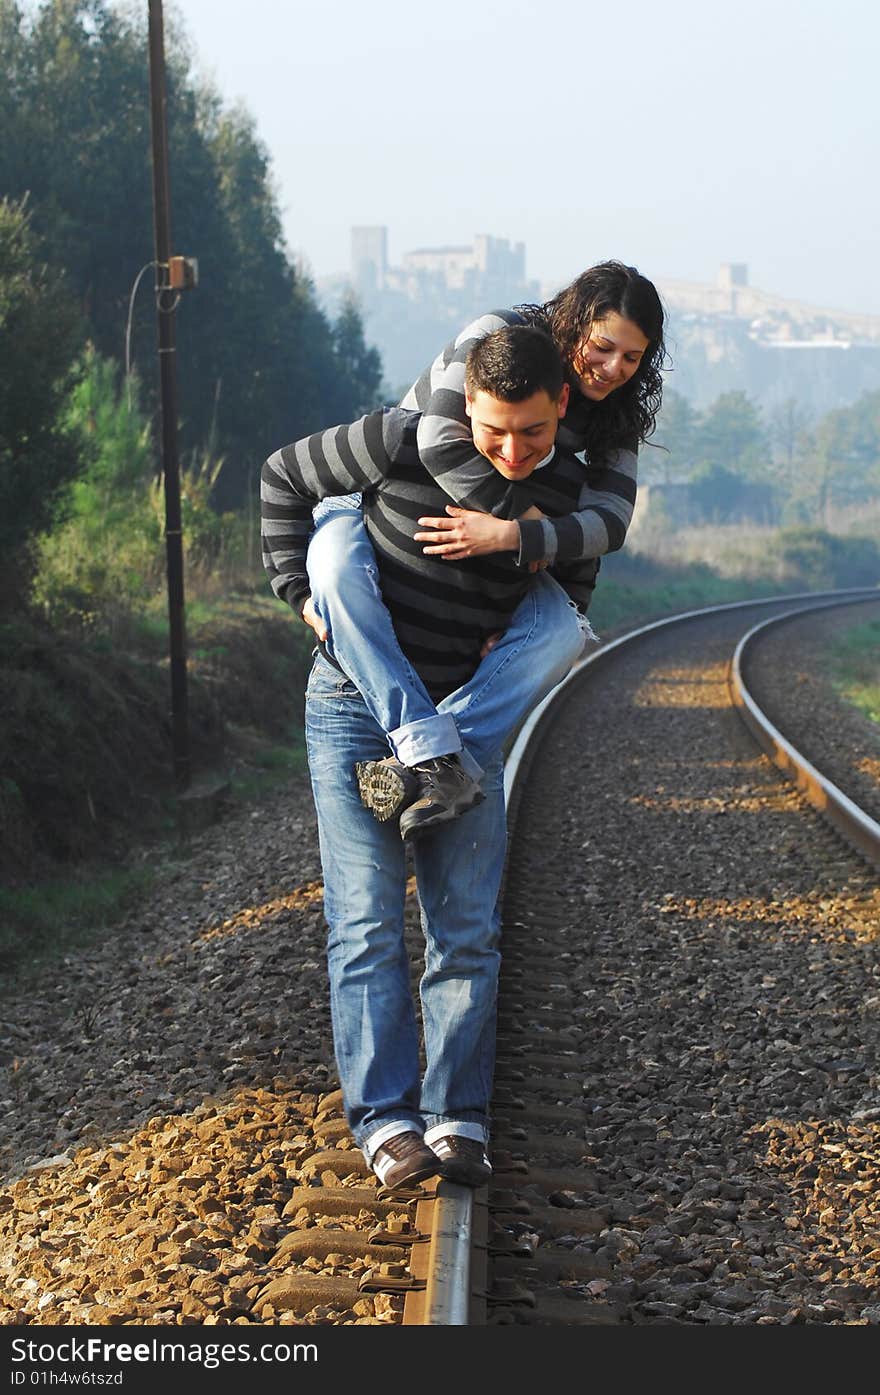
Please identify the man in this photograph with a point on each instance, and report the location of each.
(442, 611)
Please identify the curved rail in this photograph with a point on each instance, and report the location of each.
(517, 758)
(454, 1212)
(861, 831)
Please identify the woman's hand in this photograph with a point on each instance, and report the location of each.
(467, 533)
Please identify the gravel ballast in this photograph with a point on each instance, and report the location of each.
(163, 1088)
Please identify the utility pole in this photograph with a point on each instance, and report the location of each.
(166, 302)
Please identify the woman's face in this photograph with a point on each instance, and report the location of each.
(609, 356)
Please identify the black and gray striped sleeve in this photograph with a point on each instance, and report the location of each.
(599, 525)
(340, 460)
(446, 445)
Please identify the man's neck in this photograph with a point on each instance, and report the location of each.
(547, 458)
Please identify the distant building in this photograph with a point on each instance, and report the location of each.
(489, 264)
(489, 261)
(369, 259)
(732, 276)
(410, 310)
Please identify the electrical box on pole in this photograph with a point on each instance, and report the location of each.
(183, 273)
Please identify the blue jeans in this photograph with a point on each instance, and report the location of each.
(458, 872)
(544, 638)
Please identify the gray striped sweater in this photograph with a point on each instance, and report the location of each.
(604, 508)
(441, 610)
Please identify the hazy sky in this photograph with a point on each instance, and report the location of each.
(675, 135)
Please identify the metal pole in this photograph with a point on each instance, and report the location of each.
(166, 300)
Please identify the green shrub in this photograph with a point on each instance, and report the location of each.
(103, 568)
(105, 558)
(825, 561)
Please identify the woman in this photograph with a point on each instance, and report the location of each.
(608, 326)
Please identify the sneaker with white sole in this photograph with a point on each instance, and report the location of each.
(463, 1160)
(405, 1160)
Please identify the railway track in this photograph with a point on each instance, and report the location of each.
(537, 1257)
(853, 822)
(686, 1115)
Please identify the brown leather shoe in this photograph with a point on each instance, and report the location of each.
(463, 1160)
(404, 1160)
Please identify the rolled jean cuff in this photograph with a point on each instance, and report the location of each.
(425, 739)
(385, 1131)
(455, 1129)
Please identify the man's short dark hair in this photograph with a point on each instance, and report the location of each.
(513, 363)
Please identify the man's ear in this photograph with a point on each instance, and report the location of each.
(468, 403)
(562, 403)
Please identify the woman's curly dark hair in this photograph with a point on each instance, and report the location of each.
(628, 415)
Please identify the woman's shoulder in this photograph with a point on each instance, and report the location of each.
(486, 323)
(446, 371)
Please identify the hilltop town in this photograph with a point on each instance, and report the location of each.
(723, 336)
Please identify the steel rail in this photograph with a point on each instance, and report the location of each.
(448, 1298)
(447, 1301)
(515, 762)
(856, 827)
(442, 1264)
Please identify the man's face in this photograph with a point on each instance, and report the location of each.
(515, 436)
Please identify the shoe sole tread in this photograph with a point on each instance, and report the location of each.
(382, 791)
